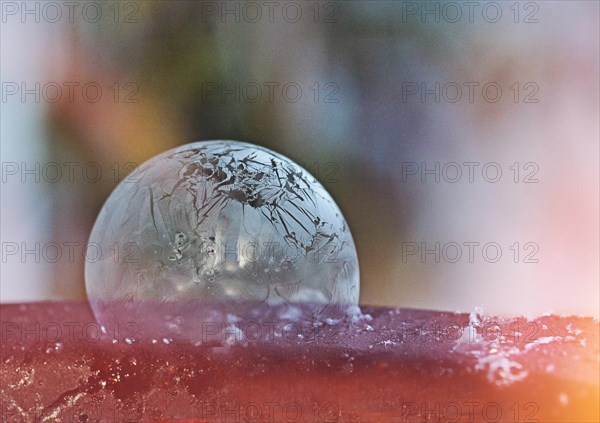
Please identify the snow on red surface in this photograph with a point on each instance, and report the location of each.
(371, 365)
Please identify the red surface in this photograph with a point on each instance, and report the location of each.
(386, 366)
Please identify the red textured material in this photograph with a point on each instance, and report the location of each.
(385, 366)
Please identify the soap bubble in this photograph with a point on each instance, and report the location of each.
(219, 223)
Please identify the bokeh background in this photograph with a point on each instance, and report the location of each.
(165, 69)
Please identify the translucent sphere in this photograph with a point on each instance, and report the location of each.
(222, 222)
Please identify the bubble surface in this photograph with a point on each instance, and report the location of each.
(220, 222)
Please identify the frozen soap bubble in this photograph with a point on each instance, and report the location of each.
(217, 223)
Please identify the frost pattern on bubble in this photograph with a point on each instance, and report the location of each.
(219, 221)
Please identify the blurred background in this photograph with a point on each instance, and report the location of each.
(459, 140)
